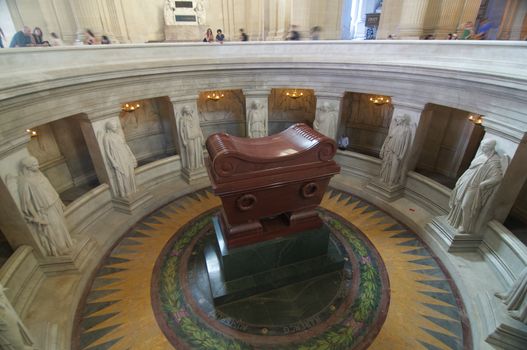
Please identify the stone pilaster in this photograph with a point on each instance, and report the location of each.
(300, 15)
(449, 14)
(256, 97)
(514, 145)
(512, 149)
(328, 106)
(87, 15)
(469, 13)
(413, 15)
(190, 175)
(12, 220)
(93, 128)
(412, 111)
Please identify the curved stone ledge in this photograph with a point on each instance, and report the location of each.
(88, 208)
(45, 84)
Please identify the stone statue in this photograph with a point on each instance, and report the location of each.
(326, 120)
(191, 138)
(170, 18)
(13, 335)
(121, 159)
(43, 209)
(395, 150)
(475, 187)
(516, 298)
(257, 121)
(200, 12)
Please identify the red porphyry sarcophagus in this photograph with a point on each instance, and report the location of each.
(270, 186)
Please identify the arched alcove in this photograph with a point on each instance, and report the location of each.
(451, 142)
(286, 110)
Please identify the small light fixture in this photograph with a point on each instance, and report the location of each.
(31, 133)
(476, 119)
(294, 94)
(379, 100)
(215, 96)
(130, 107)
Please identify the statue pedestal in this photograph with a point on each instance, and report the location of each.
(82, 251)
(242, 272)
(387, 192)
(185, 32)
(451, 238)
(192, 175)
(501, 329)
(130, 203)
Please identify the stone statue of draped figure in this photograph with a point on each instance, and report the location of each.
(516, 298)
(474, 188)
(191, 138)
(121, 160)
(257, 121)
(168, 11)
(13, 334)
(395, 151)
(43, 209)
(326, 120)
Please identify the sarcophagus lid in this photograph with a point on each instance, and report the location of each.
(237, 163)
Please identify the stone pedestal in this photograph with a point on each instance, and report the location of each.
(499, 328)
(74, 262)
(451, 238)
(386, 192)
(242, 272)
(128, 204)
(185, 32)
(193, 175)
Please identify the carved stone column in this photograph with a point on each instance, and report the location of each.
(18, 229)
(12, 222)
(93, 128)
(192, 171)
(511, 147)
(413, 15)
(300, 16)
(257, 99)
(406, 115)
(13, 331)
(469, 13)
(449, 14)
(327, 117)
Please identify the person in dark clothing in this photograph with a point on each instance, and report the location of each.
(243, 35)
(22, 38)
(219, 36)
(105, 40)
(2, 36)
(293, 34)
(37, 37)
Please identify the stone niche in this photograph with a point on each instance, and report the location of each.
(364, 123)
(149, 130)
(285, 111)
(450, 144)
(63, 157)
(224, 115)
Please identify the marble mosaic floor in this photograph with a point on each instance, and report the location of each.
(149, 292)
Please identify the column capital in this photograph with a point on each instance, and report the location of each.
(256, 93)
(14, 143)
(334, 95)
(100, 114)
(505, 130)
(416, 106)
(184, 98)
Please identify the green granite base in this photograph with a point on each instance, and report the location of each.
(242, 272)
